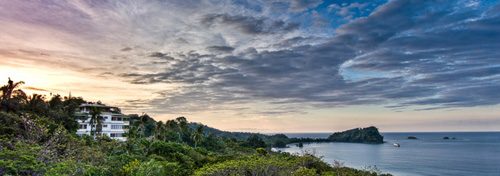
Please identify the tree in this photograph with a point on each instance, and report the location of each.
(8, 91)
(255, 141)
(56, 102)
(279, 144)
(172, 131)
(95, 118)
(160, 131)
(145, 127)
(98, 127)
(183, 129)
(70, 104)
(173, 128)
(183, 124)
(36, 104)
(197, 136)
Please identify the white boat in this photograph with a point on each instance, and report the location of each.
(396, 145)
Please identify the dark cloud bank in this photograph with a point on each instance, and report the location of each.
(406, 53)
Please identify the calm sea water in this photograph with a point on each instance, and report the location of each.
(471, 153)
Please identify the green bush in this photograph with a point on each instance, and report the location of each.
(305, 172)
(261, 151)
(274, 164)
(151, 168)
(21, 159)
(71, 167)
(345, 171)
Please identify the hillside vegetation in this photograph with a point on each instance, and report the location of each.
(37, 137)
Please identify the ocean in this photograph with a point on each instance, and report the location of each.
(470, 153)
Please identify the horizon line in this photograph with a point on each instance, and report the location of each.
(498, 131)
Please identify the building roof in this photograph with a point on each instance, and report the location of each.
(100, 105)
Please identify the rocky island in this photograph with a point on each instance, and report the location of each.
(369, 135)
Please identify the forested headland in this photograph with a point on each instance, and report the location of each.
(37, 137)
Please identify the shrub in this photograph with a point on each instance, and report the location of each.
(305, 172)
(151, 168)
(21, 160)
(261, 151)
(271, 164)
(71, 167)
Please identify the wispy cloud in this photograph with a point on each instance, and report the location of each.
(230, 55)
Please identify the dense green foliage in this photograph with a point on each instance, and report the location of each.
(279, 164)
(37, 137)
(359, 135)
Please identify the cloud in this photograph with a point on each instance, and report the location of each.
(347, 11)
(161, 55)
(441, 54)
(126, 49)
(249, 24)
(301, 5)
(249, 53)
(427, 66)
(220, 49)
(35, 89)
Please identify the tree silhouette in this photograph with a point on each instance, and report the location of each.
(36, 103)
(8, 91)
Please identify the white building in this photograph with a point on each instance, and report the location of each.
(114, 123)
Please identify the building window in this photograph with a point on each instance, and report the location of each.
(116, 118)
(116, 127)
(116, 134)
(83, 126)
(102, 126)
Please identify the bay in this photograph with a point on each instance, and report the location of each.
(470, 153)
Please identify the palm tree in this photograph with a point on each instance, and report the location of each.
(183, 128)
(8, 91)
(95, 118)
(36, 103)
(197, 136)
(98, 127)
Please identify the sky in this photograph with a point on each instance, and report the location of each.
(266, 66)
